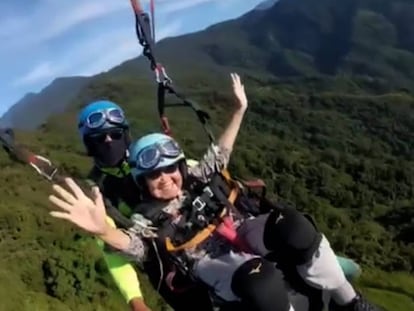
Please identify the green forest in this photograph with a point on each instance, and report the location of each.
(344, 158)
(333, 136)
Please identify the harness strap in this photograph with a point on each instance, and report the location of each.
(196, 240)
(42, 165)
(48, 170)
(225, 227)
(145, 32)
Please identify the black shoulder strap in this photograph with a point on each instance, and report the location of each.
(45, 168)
(152, 212)
(121, 221)
(96, 178)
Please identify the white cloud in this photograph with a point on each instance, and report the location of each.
(47, 39)
(43, 71)
(124, 47)
(175, 6)
(226, 4)
(90, 56)
(79, 14)
(53, 18)
(170, 30)
(104, 45)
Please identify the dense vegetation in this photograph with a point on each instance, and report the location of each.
(332, 135)
(344, 158)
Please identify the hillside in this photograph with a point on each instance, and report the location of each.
(368, 40)
(345, 159)
(366, 46)
(33, 109)
(327, 132)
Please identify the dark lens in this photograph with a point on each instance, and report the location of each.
(154, 174)
(116, 134)
(100, 137)
(166, 170)
(97, 137)
(170, 168)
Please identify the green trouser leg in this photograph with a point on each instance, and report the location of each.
(350, 268)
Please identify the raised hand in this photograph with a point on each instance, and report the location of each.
(79, 209)
(239, 93)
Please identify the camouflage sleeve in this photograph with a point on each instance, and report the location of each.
(215, 160)
(140, 234)
(137, 248)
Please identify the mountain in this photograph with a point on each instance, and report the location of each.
(265, 5)
(33, 109)
(371, 41)
(328, 128)
(368, 41)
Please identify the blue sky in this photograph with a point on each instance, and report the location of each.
(44, 39)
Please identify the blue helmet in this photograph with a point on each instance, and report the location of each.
(152, 152)
(101, 115)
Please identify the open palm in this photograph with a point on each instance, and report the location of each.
(79, 209)
(238, 90)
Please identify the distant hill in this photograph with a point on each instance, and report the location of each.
(33, 109)
(368, 41)
(329, 129)
(265, 5)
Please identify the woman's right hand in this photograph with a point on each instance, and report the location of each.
(79, 209)
(239, 93)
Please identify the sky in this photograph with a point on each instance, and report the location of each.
(41, 40)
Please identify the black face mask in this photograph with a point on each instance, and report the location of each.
(108, 154)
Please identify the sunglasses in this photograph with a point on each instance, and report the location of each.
(114, 134)
(166, 170)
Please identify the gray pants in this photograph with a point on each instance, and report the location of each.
(322, 271)
(218, 272)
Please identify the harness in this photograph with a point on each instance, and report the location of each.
(44, 167)
(201, 212)
(208, 209)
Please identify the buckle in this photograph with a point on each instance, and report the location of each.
(44, 167)
(208, 191)
(199, 204)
